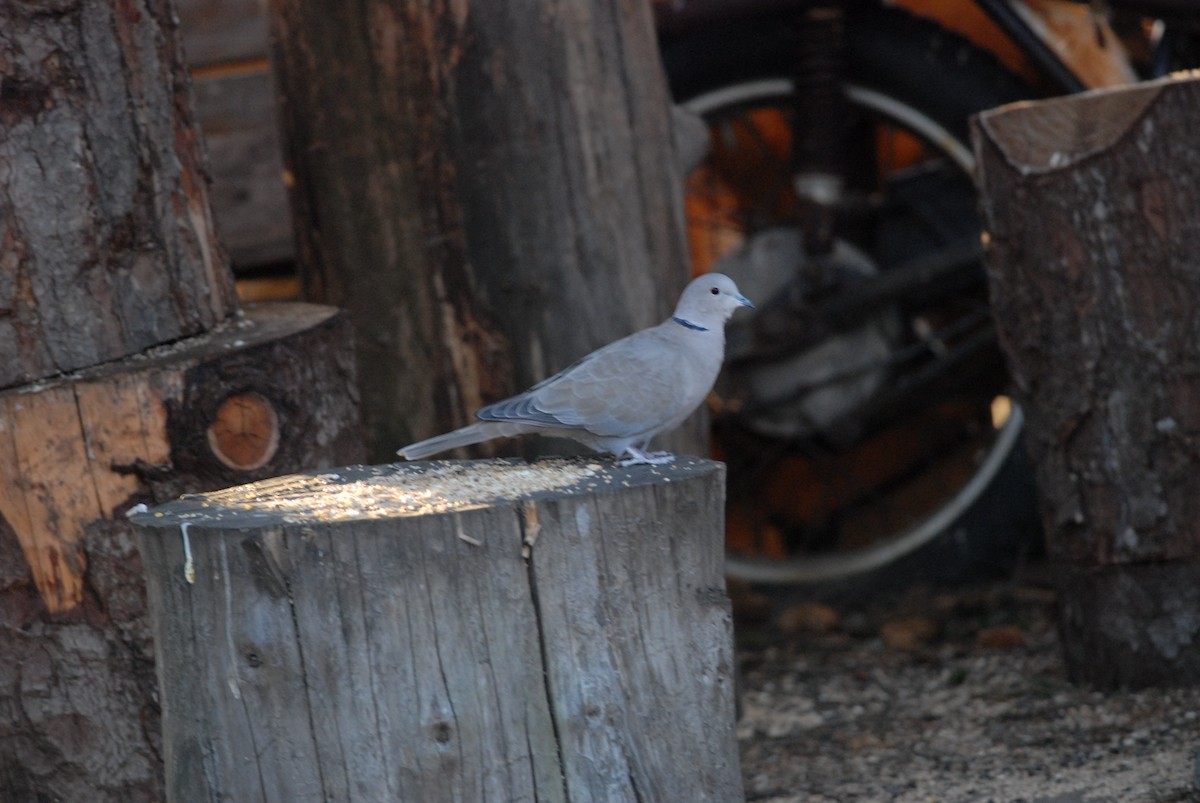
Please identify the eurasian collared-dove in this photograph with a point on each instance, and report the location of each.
(620, 396)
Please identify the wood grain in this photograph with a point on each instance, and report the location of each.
(235, 105)
(338, 645)
(78, 451)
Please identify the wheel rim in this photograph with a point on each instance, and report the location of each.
(804, 565)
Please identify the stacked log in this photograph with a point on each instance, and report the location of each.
(1090, 208)
(128, 373)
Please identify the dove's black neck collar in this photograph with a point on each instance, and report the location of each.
(686, 324)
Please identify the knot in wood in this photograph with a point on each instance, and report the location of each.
(442, 731)
(244, 435)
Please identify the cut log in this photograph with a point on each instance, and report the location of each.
(1090, 207)
(237, 404)
(490, 192)
(106, 237)
(270, 394)
(117, 311)
(447, 631)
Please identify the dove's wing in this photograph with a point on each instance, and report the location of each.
(626, 389)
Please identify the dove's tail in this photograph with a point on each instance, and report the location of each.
(475, 433)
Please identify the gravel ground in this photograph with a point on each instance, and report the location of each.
(952, 697)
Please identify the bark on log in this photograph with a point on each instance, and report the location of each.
(1090, 206)
(488, 189)
(272, 393)
(107, 252)
(439, 631)
(106, 238)
(268, 393)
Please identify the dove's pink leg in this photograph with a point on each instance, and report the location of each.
(639, 457)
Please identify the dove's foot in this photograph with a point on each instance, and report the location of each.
(639, 458)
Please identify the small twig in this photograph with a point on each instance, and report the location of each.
(462, 535)
(189, 568)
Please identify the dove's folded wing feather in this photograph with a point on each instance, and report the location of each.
(624, 390)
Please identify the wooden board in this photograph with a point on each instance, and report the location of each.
(236, 110)
(225, 43)
(219, 32)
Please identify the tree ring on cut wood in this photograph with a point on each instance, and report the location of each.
(244, 434)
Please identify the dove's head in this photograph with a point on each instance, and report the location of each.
(710, 300)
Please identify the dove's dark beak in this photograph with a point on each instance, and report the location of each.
(745, 302)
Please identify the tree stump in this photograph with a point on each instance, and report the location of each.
(1090, 205)
(447, 631)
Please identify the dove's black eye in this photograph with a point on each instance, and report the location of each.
(716, 291)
